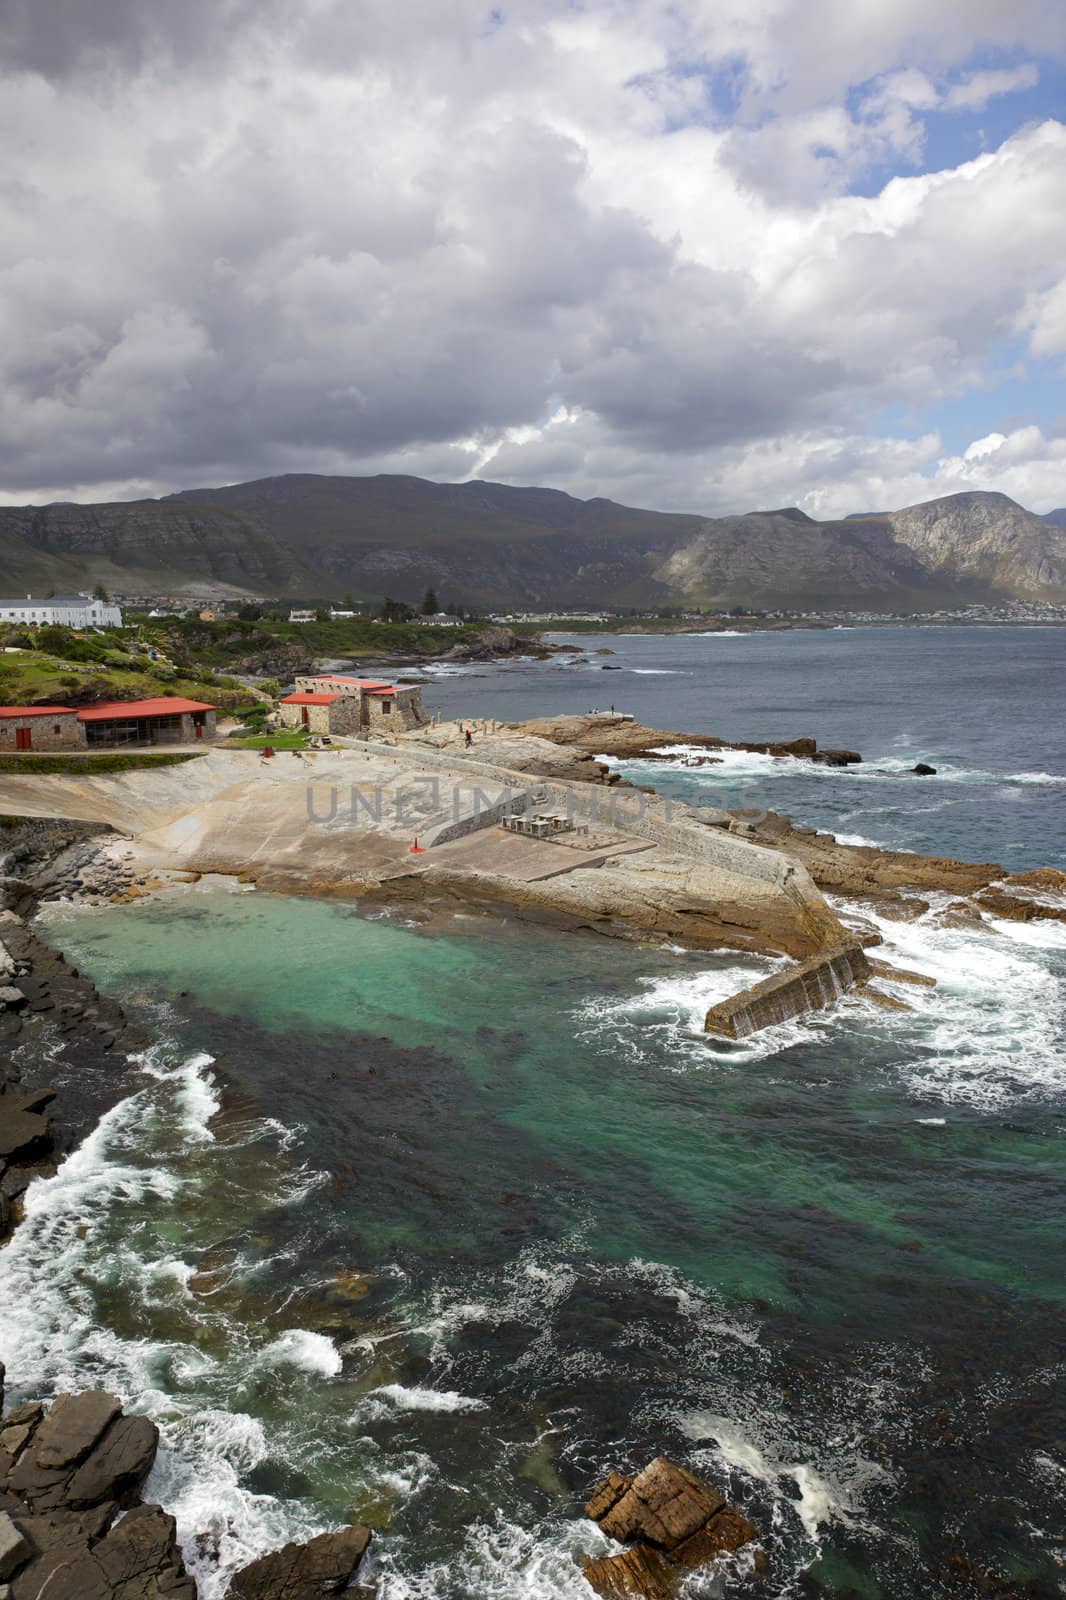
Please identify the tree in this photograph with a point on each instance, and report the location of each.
(349, 602)
(100, 593)
(429, 603)
(249, 612)
(395, 611)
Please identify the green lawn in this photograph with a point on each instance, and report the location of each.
(32, 678)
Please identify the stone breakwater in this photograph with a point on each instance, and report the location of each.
(814, 985)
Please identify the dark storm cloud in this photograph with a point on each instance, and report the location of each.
(59, 38)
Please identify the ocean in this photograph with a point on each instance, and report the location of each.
(430, 1228)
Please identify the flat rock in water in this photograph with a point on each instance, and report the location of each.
(641, 1571)
(324, 1565)
(20, 1131)
(73, 1426)
(672, 1520)
(84, 1453)
(663, 1505)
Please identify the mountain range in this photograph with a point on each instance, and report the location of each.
(305, 536)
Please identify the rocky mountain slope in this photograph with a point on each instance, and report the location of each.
(483, 542)
(492, 544)
(144, 545)
(784, 558)
(986, 539)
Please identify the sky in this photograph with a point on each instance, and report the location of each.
(701, 255)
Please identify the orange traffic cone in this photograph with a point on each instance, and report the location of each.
(416, 849)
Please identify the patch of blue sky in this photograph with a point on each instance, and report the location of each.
(717, 106)
(1018, 390)
(952, 137)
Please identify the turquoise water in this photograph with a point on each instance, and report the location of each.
(433, 1227)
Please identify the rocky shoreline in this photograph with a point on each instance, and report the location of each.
(891, 881)
(74, 1526)
(46, 1001)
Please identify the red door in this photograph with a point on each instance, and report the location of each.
(199, 729)
(23, 739)
(306, 716)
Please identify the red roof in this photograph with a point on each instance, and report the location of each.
(36, 711)
(303, 699)
(384, 688)
(166, 706)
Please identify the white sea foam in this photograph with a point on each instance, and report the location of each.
(500, 1561)
(739, 766)
(300, 1347)
(401, 1397)
(990, 1032)
(823, 1494)
(102, 1225)
(662, 1019)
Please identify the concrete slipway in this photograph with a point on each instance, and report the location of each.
(343, 821)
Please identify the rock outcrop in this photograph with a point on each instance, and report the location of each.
(324, 1565)
(859, 869)
(296, 826)
(615, 734)
(73, 1526)
(65, 1474)
(671, 1519)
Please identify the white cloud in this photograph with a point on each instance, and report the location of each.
(325, 238)
(974, 93)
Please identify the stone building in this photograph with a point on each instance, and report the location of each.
(320, 713)
(168, 720)
(40, 728)
(335, 703)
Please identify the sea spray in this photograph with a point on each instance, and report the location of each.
(88, 1235)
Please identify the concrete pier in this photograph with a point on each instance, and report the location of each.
(813, 985)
